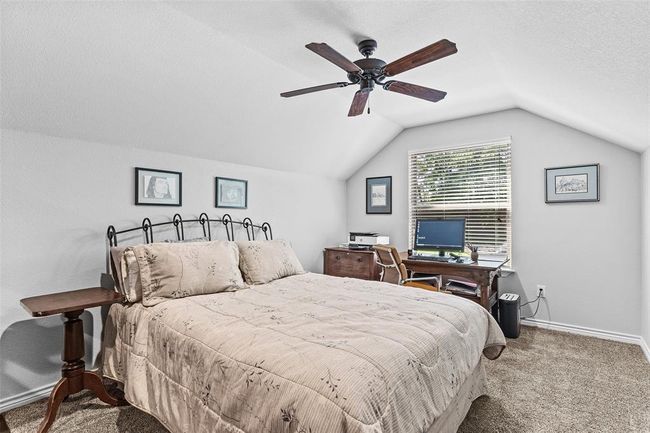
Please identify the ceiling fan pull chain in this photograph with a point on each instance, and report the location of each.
(368, 104)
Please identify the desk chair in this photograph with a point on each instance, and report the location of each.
(394, 271)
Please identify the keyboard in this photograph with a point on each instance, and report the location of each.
(432, 258)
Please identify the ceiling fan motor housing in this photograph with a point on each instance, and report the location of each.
(372, 68)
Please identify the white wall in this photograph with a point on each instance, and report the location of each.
(645, 295)
(58, 197)
(587, 254)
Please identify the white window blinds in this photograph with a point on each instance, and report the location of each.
(471, 182)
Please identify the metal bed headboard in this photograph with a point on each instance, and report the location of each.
(179, 224)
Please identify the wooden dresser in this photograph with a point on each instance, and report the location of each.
(343, 262)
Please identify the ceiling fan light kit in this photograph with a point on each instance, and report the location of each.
(369, 71)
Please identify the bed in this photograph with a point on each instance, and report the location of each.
(306, 353)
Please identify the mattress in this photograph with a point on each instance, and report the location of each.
(307, 353)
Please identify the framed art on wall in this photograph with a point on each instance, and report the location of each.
(573, 184)
(379, 195)
(231, 193)
(155, 187)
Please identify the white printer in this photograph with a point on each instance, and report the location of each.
(365, 239)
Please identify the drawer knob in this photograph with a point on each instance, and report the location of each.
(338, 257)
(359, 259)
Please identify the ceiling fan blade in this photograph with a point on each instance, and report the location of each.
(329, 53)
(414, 90)
(358, 103)
(435, 51)
(313, 89)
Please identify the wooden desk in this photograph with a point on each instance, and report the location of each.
(485, 273)
(74, 376)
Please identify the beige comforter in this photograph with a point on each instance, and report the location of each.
(308, 353)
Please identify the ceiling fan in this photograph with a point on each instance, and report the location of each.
(367, 72)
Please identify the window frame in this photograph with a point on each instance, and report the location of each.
(460, 147)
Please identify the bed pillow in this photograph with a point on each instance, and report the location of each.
(265, 261)
(130, 271)
(126, 270)
(126, 273)
(116, 254)
(176, 270)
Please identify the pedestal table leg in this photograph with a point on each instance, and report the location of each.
(74, 378)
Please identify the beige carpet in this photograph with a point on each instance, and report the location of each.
(545, 381)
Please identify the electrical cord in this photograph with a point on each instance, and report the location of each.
(537, 299)
(539, 295)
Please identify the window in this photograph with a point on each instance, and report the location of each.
(471, 182)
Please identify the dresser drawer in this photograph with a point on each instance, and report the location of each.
(354, 264)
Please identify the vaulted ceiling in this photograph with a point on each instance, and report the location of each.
(203, 78)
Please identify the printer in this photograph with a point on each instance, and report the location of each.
(365, 239)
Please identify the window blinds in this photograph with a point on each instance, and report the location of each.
(471, 182)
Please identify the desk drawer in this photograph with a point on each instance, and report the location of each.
(350, 264)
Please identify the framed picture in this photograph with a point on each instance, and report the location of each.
(572, 184)
(379, 195)
(158, 187)
(231, 193)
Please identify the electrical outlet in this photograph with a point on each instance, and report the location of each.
(541, 290)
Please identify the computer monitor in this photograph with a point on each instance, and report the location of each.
(440, 234)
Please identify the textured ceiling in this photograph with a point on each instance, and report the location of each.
(203, 78)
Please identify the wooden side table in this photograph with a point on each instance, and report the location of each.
(74, 376)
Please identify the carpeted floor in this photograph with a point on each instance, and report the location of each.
(545, 382)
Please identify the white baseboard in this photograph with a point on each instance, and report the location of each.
(645, 348)
(25, 397)
(591, 332)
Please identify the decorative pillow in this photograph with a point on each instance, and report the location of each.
(264, 261)
(177, 270)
